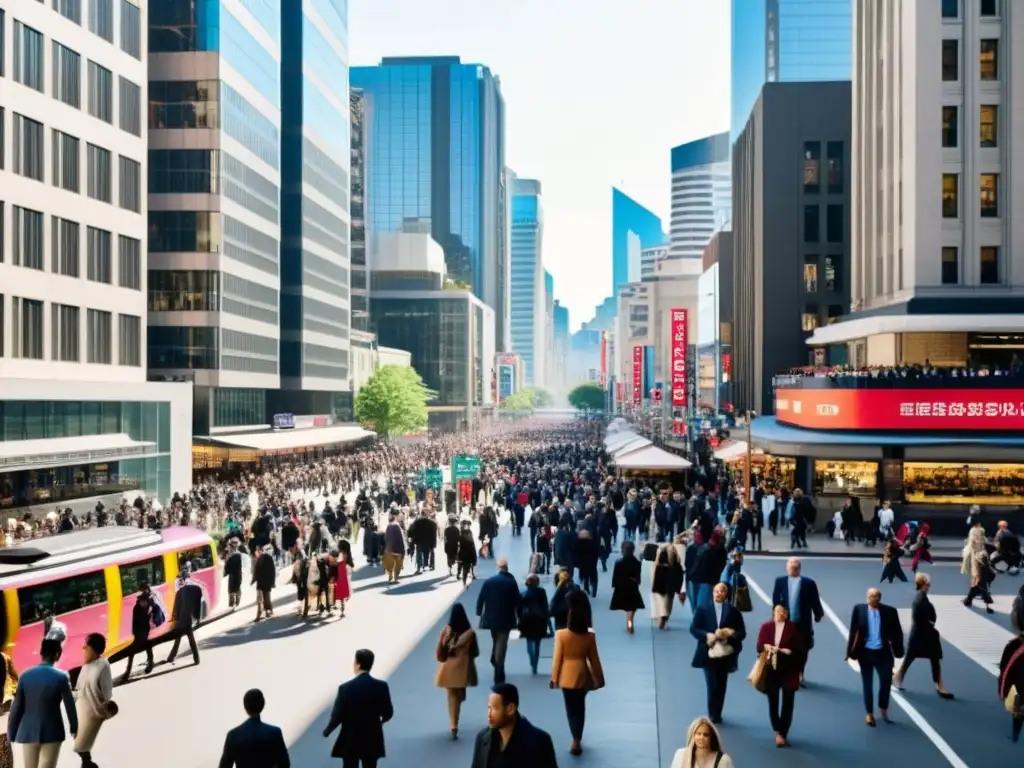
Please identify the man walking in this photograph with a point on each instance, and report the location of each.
(361, 708)
(394, 549)
(188, 602)
(509, 738)
(254, 744)
(35, 721)
(264, 577)
(498, 609)
(875, 642)
(799, 596)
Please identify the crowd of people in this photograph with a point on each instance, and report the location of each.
(922, 374)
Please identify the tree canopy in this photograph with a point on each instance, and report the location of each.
(540, 397)
(393, 401)
(518, 402)
(587, 397)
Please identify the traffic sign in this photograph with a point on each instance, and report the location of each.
(465, 467)
(432, 477)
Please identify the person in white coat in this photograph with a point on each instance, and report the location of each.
(95, 703)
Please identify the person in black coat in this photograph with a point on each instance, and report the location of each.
(264, 577)
(143, 618)
(498, 608)
(709, 562)
(717, 624)
(467, 553)
(233, 572)
(526, 745)
(626, 584)
(924, 641)
(361, 708)
(451, 543)
(254, 744)
(875, 641)
(534, 618)
(806, 611)
(1011, 675)
(188, 602)
(585, 557)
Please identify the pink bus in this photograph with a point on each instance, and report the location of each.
(89, 579)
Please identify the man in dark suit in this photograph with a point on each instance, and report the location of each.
(188, 603)
(254, 744)
(361, 708)
(498, 609)
(721, 625)
(799, 596)
(511, 739)
(876, 640)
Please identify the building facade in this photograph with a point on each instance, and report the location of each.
(714, 311)
(436, 154)
(634, 228)
(701, 194)
(527, 305)
(649, 258)
(357, 212)
(791, 232)
(549, 326)
(776, 41)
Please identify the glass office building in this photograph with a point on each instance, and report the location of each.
(701, 194)
(786, 41)
(527, 289)
(634, 228)
(360, 306)
(436, 158)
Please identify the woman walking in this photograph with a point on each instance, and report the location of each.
(922, 548)
(467, 553)
(703, 748)
(559, 608)
(782, 640)
(626, 585)
(891, 568)
(576, 669)
(95, 697)
(924, 641)
(977, 564)
(666, 583)
(456, 652)
(533, 618)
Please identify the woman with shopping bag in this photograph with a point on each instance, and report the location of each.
(777, 670)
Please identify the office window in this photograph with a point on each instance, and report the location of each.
(989, 195)
(65, 163)
(809, 318)
(834, 223)
(989, 265)
(69, 9)
(131, 29)
(65, 333)
(988, 60)
(950, 265)
(129, 184)
(812, 166)
(27, 147)
(67, 76)
(98, 347)
(834, 158)
(97, 254)
(989, 7)
(129, 107)
(950, 61)
(129, 262)
(950, 120)
(950, 196)
(26, 238)
(812, 224)
(27, 328)
(988, 131)
(65, 248)
(810, 274)
(97, 173)
(101, 19)
(951, 9)
(129, 340)
(101, 92)
(27, 56)
(831, 273)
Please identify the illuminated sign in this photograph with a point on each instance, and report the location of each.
(680, 341)
(638, 374)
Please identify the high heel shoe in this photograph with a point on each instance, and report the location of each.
(455, 734)
(945, 695)
(629, 627)
(870, 721)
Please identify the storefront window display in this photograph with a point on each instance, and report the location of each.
(774, 470)
(936, 483)
(839, 478)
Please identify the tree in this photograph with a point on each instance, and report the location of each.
(540, 397)
(393, 401)
(587, 397)
(518, 402)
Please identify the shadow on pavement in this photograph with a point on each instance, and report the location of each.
(406, 586)
(275, 628)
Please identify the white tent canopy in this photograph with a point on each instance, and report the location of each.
(611, 442)
(651, 457)
(733, 450)
(628, 447)
(618, 424)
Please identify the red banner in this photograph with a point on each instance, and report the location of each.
(619, 391)
(901, 409)
(680, 341)
(638, 374)
(604, 358)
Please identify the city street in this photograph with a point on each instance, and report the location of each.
(181, 713)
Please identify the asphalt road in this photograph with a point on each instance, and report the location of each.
(178, 715)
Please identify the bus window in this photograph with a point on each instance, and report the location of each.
(198, 558)
(61, 596)
(149, 571)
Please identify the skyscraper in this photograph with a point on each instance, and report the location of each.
(527, 307)
(360, 305)
(634, 228)
(436, 144)
(701, 194)
(786, 41)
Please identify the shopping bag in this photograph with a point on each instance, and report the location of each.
(741, 598)
(758, 676)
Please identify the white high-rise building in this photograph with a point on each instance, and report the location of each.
(701, 194)
(528, 290)
(77, 416)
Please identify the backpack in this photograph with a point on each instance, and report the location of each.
(159, 617)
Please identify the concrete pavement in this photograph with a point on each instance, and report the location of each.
(944, 548)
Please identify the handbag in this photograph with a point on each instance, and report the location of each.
(720, 650)
(650, 551)
(758, 676)
(741, 598)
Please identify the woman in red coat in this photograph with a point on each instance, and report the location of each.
(784, 643)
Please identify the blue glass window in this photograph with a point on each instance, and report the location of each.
(251, 59)
(335, 14)
(323, 60)
(330, 124)
(247, 125)
(268, 14)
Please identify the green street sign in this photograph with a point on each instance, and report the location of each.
(465, 467)
(432, 477)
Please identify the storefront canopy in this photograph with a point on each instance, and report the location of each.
(287, 439)
(652, 458)
(69, 451)
(628, 447)
(734, 450)
(618, 424)
(611, 442)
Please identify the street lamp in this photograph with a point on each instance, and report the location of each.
(748, 492)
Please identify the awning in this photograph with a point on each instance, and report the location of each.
(68, 451)
(734, 450)
(611, 442)
(286, 439)
(618, 424)
(628, 447)
(651, 457)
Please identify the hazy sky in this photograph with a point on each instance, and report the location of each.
(596, 92)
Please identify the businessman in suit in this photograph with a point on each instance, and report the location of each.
(498, 609)
(254, 744)
(875, 642)
(799, 596)
(361, 708)
(35, 721)
(718, 624)
(188, 603)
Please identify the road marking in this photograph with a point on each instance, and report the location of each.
(916, 717)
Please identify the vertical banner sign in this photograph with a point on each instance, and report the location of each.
(619, 394)
(604, 359)
(680, 342)
(638, 374)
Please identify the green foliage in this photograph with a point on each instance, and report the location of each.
(540, 398)
(393, 401)
(587, 397)
(518, 402)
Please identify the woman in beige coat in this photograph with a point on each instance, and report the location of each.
(457, 650)
(95, 692)
(576, 669)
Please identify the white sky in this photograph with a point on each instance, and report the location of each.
(597, 92)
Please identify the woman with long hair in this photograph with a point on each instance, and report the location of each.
(456, 652)
(666, 583)
(978, 565)
(704, 747)
(784, 644)
(576, 669)
(626, 584)
(924, 641)
(534, 618)
(922, 548)
(559, 608)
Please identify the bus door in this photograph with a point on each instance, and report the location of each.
(133, 575)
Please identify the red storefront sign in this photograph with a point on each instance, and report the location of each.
(604, 358)
(638, 374)
(656, 396)
(901, 409)
(680, 342)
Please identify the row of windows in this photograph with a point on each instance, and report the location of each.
(249, 188)
(834, 224)
(809, 318)
(988, 60)
(988, 195)
(200, 232)
(832, 274)
(184, 104)
(833, 167)
(988, 126)
(248, 342)
(951, 9)
(989, 272)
